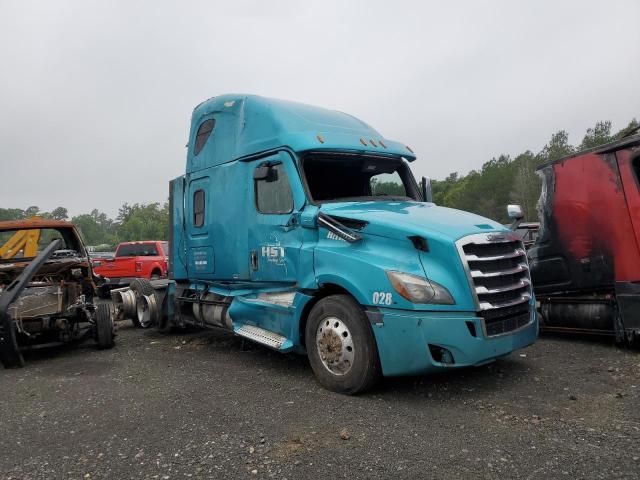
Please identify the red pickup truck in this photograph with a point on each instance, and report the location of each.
(147, 259)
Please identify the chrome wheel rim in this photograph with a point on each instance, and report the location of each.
(335, 346)
(146, 310)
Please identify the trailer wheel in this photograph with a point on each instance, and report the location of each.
(10, 354)
(340, 345)
(140, 287)
(104, 327)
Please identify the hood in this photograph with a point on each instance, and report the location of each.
(396, 219)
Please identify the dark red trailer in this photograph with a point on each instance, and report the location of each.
(585, 265)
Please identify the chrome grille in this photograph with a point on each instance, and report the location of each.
(498, 273)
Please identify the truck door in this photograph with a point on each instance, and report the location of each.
(200, 254)
(275, 236)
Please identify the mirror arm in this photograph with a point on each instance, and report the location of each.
(516, 223)
(425, 187)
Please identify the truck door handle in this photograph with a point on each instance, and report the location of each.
(254, 260)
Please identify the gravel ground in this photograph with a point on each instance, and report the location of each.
(207, 405)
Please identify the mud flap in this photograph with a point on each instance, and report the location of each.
(628, 298)
(10, 355)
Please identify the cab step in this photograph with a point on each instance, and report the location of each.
(262, 336)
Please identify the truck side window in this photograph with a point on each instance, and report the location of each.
(204, 130)
(274, 196)
(198, 208)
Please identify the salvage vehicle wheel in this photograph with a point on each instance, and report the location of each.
(10, 354)
(147, 310)
(104, 327)
(340, 345)
(140, 287)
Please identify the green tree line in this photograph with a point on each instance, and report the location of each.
(487, 191)
(134, 222)
(505, 179)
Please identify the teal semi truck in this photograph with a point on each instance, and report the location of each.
(303, 229)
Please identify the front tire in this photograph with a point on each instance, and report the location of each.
(340, 345)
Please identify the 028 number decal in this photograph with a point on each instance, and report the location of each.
(382, 298)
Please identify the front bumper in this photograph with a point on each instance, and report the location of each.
(403, 339)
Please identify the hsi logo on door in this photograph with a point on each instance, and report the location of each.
(273, 252)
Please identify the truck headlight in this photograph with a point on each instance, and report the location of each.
(419, 290)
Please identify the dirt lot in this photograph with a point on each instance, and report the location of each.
(203, 405)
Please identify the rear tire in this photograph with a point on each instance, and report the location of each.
(340, 345)
(140, 286)
(104, 327)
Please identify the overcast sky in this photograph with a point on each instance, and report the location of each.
(96, 97)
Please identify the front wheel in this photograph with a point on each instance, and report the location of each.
(340, 345)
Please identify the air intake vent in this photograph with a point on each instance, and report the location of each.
(498, 273)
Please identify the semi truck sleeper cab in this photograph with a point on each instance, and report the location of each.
(303, 229)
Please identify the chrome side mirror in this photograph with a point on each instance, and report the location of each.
(515, 213)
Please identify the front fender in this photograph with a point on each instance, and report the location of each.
(360, 268)
(361, 295)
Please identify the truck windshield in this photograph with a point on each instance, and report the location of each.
(353, 177)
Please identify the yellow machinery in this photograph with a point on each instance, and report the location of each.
(23, 240)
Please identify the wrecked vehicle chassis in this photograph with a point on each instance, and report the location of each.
(47, 292)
